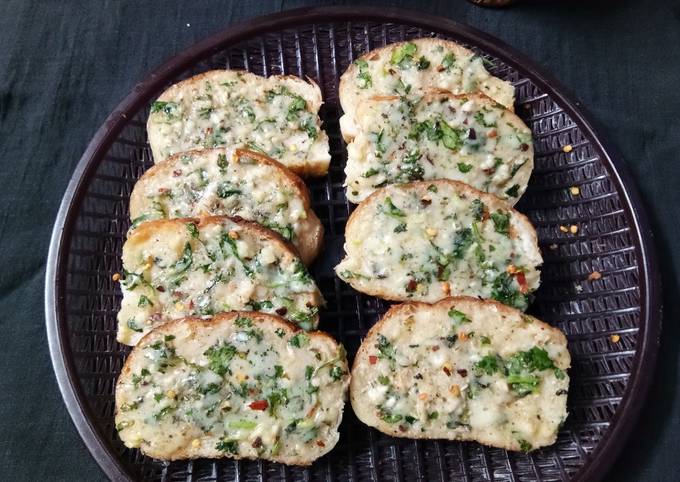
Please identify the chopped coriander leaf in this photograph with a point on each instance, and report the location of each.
(462, 167)
(132, 324)
(144, 301)
(390, 418)
(219, 357)
(524, 446)
(478, 209)
(364, 79)
(423, 63)
(503, 290)
(243, 322)
(299, 340)
(222, 162)
(458, 316)
(337, 373)
(448, 60)
(501, 222)
(227, 446)
(225, 190)
(513, 191)
(391, 210)
(403, 55)
(185, 261)
(462, 242)
(488, 364)
(193, 230)
(452, 138)
(168, 108)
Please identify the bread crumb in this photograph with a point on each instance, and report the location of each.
(573, 229)
(574, 190)
(568, 148)
(116, 277)
(564, 229)
(171, 394)
(233, 234)
(195, 443)
(615, 338)
(179, 306)
(422, 396)
(431, 232)
(594, 276)
(455, 390)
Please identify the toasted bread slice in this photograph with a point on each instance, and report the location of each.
(415, 65)
(425, 241)
(173, 268)
(232, 182)
(463, 369)
(242, 385)
(277, 115)
(439, 135)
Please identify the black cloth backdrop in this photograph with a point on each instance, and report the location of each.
(65, 65)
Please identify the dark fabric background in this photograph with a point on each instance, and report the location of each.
(64, 65)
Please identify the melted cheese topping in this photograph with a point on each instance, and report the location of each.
(425, 241)
(224, 182)
(463, 370)
(439, 136)
(244, 386)
(179, 268)
(419, 64)
(276, 116)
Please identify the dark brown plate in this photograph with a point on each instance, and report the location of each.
(609, 380)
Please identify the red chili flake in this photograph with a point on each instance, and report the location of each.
(462, 372)
(524, 147)
(424, 202)
(257, 443)
(320, 443)
(160, 289)
(447, 371)
(435, 348)
(177, 173)
(411, 286)
(259, 405)
(163, 190)
(372, 359)
(522, 280)
(402, 428)
(281, 311)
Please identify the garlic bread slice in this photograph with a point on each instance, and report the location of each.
(278, 116)
(463, 369)
(242, 385)
(173, 268)
(425, 241)
(439, 135)
(231, 182)
(415, 65)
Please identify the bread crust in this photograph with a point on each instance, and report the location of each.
(471, 305)
(309, 239)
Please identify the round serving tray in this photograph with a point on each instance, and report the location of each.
(609, 378)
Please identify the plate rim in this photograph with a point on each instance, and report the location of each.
(627, 414)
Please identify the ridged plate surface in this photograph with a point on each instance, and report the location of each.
(609, 379)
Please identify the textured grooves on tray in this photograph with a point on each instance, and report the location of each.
(588, 311)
